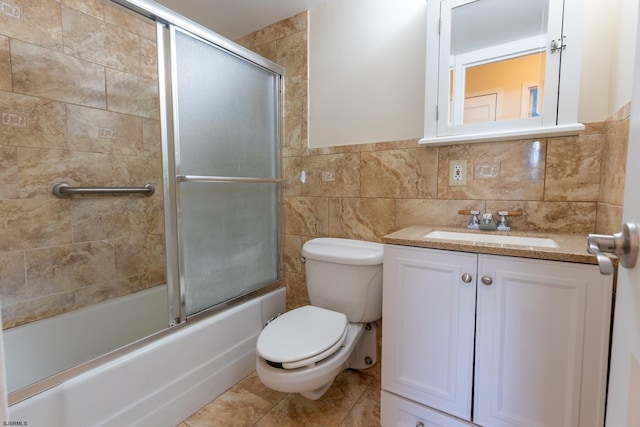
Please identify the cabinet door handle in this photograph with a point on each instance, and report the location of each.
(467, 278)
(487, 280)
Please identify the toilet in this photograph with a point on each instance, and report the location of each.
(303, 350)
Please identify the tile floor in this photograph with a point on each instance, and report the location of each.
(352, 401)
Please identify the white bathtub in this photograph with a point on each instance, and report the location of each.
(160, 383)
(40, 349)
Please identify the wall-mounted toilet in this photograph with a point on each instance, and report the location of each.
(303, 350)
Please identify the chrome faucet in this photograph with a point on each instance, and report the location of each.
(474, 222)
(503, 225)
(487, 222)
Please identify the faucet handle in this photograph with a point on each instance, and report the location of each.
(474, 222)
(502, 221)
(510, 213)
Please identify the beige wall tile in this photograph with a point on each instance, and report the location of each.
(93, 294)
(28, 121)
(573, 168)
(34, 21)
(9, 184)
(295, 95)
(5, 64)
(47, 74)
(293, 142)
(395, 145)
(292, 253)
(13, 284)
(99, 131)
(148, 59)
(26, 224)
(292, 168)
(138, 255)
(279, 30)
(132, 171)
(614, 164)
(346, 177)
(154, 209)
(362, 219)
(152, 138)
(38, 308)
(609, 219)
(436, 212)
(297, 295)
(129, 94)
(267, 50)
(410, 173)
(107, 218)
(564, 217)
(86, 37)
(129, 20)
(64, 268)
(132, 284)
(94, 8)
(522, 168)
(306, 216)
(39, 170)
(45, 141)
(291, 53)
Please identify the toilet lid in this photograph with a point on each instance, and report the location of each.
(301, 334)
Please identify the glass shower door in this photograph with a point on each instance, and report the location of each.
(226, 133)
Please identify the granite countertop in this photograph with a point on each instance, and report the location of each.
(571, 247)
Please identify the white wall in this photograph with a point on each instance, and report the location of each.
(366, 71)
(607, 57)
(366, 67)
(623, 58)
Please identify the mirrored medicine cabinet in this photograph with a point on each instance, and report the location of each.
(502, 69)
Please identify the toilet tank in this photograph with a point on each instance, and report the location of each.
(345, 275)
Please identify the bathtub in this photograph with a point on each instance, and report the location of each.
(160, 382)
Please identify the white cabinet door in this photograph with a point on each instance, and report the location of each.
(541, 343)
(428, 312)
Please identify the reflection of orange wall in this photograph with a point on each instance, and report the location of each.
(508, 76)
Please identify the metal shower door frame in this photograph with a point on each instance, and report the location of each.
(167, 22)
(173, 176)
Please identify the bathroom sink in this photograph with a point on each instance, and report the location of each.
(493, 238)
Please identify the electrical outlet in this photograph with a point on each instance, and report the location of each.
(457, 173)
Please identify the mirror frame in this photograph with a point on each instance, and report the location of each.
(437, 128)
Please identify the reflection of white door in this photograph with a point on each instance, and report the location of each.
(478, 109)
(623, 398)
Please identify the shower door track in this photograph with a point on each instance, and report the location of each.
(202, 178)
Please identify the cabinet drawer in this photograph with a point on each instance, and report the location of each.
(400, 412)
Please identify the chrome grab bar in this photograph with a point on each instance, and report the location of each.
(202, 178)
(63, 190)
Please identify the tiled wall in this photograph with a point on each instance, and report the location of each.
(78, 99)
(79, 104)
(568, 184)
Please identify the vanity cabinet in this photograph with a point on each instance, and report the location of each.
(476, 339)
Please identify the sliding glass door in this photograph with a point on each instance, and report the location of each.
(226, 133)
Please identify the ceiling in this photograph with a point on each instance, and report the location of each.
(236, 18)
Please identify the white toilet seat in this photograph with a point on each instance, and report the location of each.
(302, 337)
